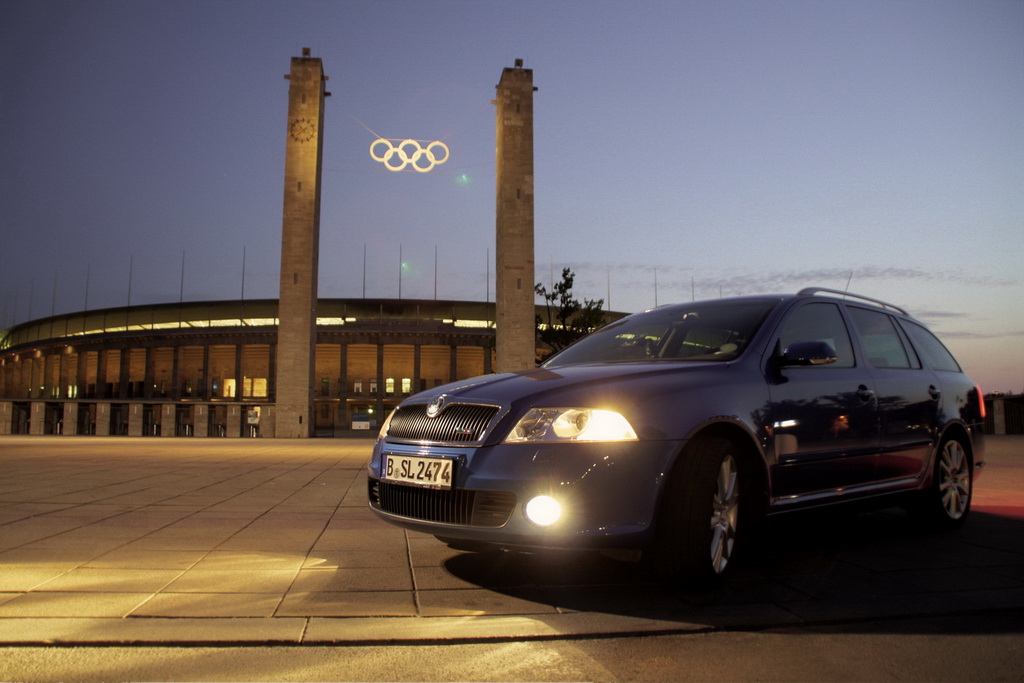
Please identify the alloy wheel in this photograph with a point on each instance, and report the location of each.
(954, 479)
(724, 514)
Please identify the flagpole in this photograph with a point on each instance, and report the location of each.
(131, 265)
(181, 287)
(241, 301)
(608, 279)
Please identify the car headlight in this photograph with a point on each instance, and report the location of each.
(386, 425)
(571, 424)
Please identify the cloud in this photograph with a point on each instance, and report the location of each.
(935, 315)
(978, 335)
(705, 283)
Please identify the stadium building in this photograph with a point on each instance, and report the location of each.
(208, 368)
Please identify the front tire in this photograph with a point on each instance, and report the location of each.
(698, 522)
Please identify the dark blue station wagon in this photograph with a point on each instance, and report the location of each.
(673, 429)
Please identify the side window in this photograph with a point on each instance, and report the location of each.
(879, 338)
(931, 349)
(819, 322)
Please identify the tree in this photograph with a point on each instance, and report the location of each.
(567, 318)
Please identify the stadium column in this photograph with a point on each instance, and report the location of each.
(515, 323)
(300, 240)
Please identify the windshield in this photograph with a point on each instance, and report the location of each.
(704, 331)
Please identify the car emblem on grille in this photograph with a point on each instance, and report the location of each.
(435, 406)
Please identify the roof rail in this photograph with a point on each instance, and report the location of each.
(808, 291)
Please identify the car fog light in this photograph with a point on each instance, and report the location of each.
(543, 510)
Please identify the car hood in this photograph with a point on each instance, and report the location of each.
(660, 399)
(595, 385)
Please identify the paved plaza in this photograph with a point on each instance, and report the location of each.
(149, 540)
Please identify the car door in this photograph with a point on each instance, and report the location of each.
(907, 395)
(822, 418)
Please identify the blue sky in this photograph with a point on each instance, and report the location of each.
(683, 149)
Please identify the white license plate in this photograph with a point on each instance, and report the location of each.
(411, 469)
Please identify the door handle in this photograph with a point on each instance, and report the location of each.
(934, 393)
(865, 393)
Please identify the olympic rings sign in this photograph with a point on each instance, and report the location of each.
(409, 153)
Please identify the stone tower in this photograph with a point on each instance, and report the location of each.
(300, 249)
(514, 303)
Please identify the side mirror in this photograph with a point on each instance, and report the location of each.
(807, 353)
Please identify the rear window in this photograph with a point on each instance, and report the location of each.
(705, 331)
(930, 348)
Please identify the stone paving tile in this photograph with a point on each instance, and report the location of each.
(215, 531)
(27, 578)
(13, 511)
(89, 534)
(63, 558)
(359, 539)
(234, 560)
(298, 517)
(84, 545)
(85, 515)
(101, 510)
(95, 495)
(182, 539)
(658, 602)
(480, 601)
(431, 578)
(848, 581)
(499, 570)
(139, 558)
(999, 533)
(877, 608)
(1013, 571)
(427, 551)
(939, 580)
(355, 520)
(233, 581)
(72, 604)
(206, 517)
(238, 506)
(152, 630)
(276, 542)
(311, 497)
(348, 604)
(353, 579)
(147, 520)
(752, 590)
(334, 559)
(209, 605)
(32, 531)
(210, 523)
(105, 580)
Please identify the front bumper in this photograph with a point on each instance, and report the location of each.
(608, 492)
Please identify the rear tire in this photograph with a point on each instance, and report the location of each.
(947, 501)
(698, 522)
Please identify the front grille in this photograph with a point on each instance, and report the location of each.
(447, 506)
(457, 423)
